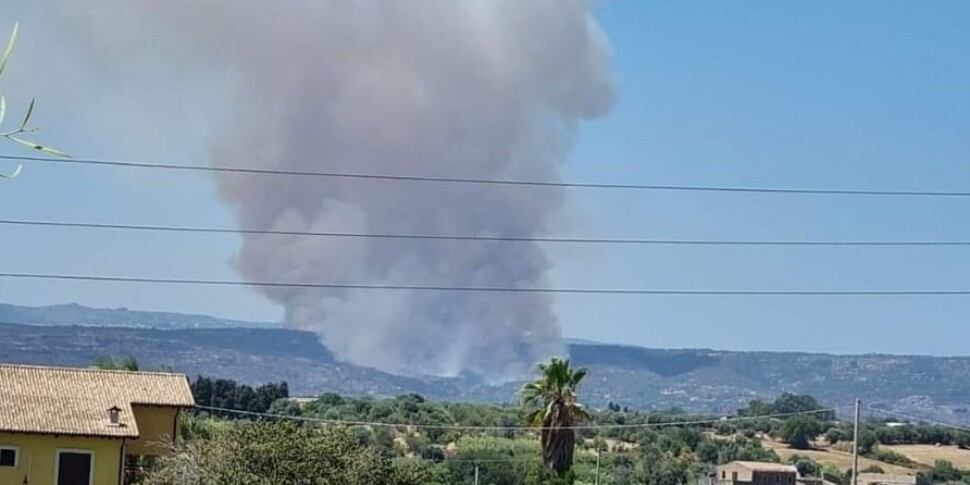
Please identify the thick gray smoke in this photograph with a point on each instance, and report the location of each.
(477, 88)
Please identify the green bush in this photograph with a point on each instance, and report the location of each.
(889, 456)
(799, 432)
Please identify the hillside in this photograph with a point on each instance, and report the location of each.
(74, 314)
(694, 380)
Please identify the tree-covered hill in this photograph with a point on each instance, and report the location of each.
(695, 380)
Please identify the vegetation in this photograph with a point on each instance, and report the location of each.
(16, 135)
(220, 449)
(805, 465)
(410, 440)
(788, 404)
(800, 431)
(915, 434)
(274, 453)
(944, 471)
(110, 363)
(229, 395)
(554, 407)
(637, 384)
(889, 456)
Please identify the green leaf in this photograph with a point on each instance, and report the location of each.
(54, 151)
(38, 147)
(30, 111)
(6, 53)
(15, 173)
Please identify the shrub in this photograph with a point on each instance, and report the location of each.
(799, 432)
(889, 456)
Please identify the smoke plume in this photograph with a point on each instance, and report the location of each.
(476, 88)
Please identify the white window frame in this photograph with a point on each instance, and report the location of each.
(57, 462)
(16, 454)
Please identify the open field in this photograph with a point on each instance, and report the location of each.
(828, 456)
(928, 454)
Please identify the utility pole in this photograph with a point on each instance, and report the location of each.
(855, 443)
(599, 451)
(476, 474)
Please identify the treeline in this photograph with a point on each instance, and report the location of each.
(228, 394)
(916, 434)
(285, 452)
(812, 419)
(787, 404)
(446, 453)
(412, 440)
(664, 453)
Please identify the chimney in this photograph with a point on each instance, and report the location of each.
(113, 416)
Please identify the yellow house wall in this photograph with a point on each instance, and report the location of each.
(37, 457)
(155, 427)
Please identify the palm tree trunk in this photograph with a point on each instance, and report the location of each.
(558, 439)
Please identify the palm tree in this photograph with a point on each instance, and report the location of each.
(552, 404)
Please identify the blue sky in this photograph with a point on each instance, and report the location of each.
(864, 94)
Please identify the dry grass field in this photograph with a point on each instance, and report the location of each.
(928, 454)
(924, 455)
(828, 456)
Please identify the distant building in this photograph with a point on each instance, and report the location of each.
(61, 426)
(886, 479)
(755, 473)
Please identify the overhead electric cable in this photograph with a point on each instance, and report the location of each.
(445, 237)
(484, 289)
(484, 181)
(339, 422)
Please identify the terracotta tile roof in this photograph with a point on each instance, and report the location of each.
(766, 467)
(54, 400)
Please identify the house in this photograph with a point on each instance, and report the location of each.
(755, 473)
(63, 426)
(886, 479)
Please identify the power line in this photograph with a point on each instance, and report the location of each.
(339, 422)
(486, 289)
(443, 237)
(474, 460)
(481, 181)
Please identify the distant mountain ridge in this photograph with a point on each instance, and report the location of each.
(697, 380)
(74, 314)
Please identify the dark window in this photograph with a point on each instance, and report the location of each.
(8, 457)
(734, 476)
(723, 475)
(73, 468)
(777, 478)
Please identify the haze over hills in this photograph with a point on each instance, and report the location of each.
(74, 314)
(696, 380)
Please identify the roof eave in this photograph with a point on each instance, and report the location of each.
(71, 433)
